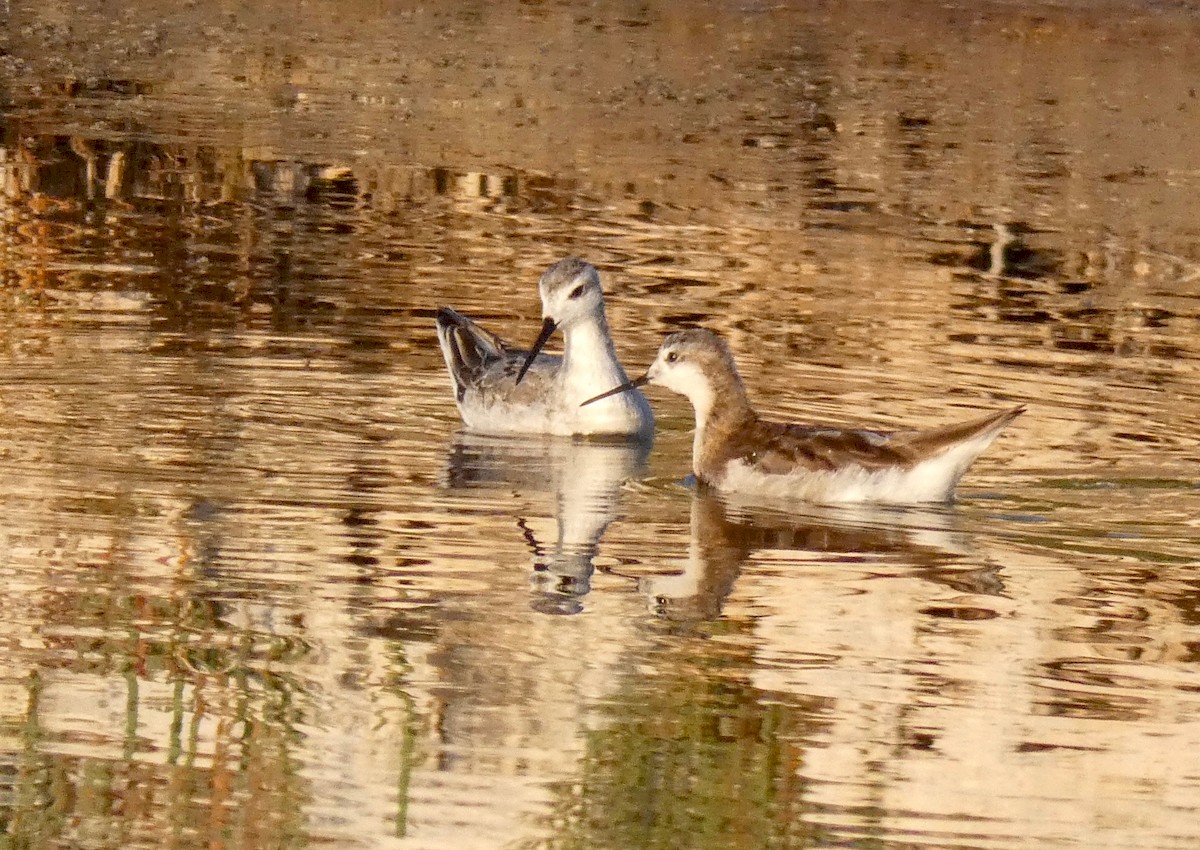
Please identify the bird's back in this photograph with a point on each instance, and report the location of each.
(483, 370)
(850, 465)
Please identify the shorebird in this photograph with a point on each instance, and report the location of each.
(502, 390)
(736, 450)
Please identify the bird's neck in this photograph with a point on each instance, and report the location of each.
(722, 410)
(589, 359)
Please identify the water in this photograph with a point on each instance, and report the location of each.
(260, 591)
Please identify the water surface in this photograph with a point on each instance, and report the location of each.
(260, 590)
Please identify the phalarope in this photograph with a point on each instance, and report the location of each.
(736, 450)
(500, 390)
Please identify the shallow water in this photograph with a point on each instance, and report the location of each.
(259, 590)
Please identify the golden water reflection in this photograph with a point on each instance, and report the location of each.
(260, 591)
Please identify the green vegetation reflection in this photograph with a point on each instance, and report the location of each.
(692, 756)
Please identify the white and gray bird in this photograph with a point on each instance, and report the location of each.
(503, 390)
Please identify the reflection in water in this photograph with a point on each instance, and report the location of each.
(584, 480)
(709, 745)
(724, 533)
(868, 675)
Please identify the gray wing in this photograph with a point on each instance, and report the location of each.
(481, 363)
(497, 382)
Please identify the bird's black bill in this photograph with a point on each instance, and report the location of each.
(624, 388)
(548, 328)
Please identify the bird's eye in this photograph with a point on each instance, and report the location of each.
(577, 291)
(672, 356)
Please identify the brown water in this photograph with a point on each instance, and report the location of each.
(260, 591)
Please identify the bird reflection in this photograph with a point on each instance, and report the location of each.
(584, 478)
(725, 533)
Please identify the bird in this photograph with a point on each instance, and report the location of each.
(737, 451)
(503, 390)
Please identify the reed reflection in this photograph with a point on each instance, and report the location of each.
(582, 478)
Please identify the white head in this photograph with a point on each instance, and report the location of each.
(571, 294)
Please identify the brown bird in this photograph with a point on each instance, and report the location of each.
(738, 451)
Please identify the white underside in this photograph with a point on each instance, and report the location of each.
(547, 403)
(933, 480)
(625, 415)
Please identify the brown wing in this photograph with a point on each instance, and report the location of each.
(779, 449)
(934, 441)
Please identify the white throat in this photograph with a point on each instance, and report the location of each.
(689, 381)
(590, 363)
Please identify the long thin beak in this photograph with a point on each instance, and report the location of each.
(549, 326)
(624, 388)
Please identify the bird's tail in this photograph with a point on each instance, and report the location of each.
(466, 347)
